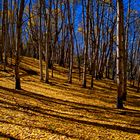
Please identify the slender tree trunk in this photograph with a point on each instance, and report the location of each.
(126, 53)
(62, 47)
(86, 42)
(47, 41)
(1, 57)
(120, 70)
(18, 44)
(40, 44)
(92, 35)
(47, 67)
(5, 32)
(72, 43)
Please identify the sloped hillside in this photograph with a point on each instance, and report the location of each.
(62, 111)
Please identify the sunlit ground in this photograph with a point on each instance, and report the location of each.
(59, 111)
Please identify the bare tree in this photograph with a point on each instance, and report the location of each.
(70, 24)
(86, 40)
(126, 36)
(120, 54)
(5, 31)
(40, 42)
(18, 42)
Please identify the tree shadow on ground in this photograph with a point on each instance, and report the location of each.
(37, 110)
(83, 92)
(42, 128)
(6, 136)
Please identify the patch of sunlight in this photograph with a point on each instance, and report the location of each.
(60, 110)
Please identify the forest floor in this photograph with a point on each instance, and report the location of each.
(62, 111)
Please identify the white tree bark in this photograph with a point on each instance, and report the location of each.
(120, 49)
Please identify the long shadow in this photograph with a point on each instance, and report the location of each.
(134, 102)
(105, 88)
(70, 90)
(25, 72)
(53, 100)
(101, 88)
(29, 71)
(25, 108)
(69, 103)
(6, 136)
(33, 111)
(84, 93)
(30, 63)
(64, 71)
(43, 128)
(75, 120)
(74, 105)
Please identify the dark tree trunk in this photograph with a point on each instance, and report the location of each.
(18, 44)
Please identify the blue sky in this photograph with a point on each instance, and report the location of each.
(134, 4)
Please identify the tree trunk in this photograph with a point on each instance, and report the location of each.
(5, 32)
(72, 43)
(40, 44)
(120, 68)
(126, 53)
(86, 42)
(18, 44)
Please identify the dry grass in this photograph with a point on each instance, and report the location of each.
(59, 111)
